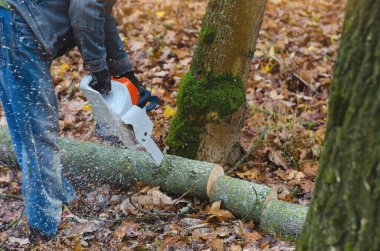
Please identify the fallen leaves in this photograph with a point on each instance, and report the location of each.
(220, 214)
(250, 174)
(127, 229)
(18, 241)
(6, 175)
(309, 168)
(79, 229)
(276, 157)
(287, 90)
(153, 197)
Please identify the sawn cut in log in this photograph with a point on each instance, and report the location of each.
(175, 175)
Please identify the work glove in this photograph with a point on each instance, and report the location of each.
(144, 95)
(131, 76)
(101, 81)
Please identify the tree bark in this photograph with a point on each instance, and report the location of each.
(211, 100)
(248, 200)
(175, 175)
(345, 209)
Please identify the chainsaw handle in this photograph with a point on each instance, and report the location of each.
(144, 99)
(153, 102)
(147, 97)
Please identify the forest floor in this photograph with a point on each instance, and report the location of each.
(287, 94)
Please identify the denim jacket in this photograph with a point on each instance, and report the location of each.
(60, 25)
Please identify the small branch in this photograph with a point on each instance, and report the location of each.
(203, 225)
(253, 148)
(10, 196)
(175, 202)
(15, 222)
(257, 198)
(157, 214)
(13, 225)
(304, 82)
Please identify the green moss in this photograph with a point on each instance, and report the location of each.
(208, 35)
(201, 101)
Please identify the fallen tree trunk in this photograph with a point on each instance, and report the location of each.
(248, 200)
(175, 175)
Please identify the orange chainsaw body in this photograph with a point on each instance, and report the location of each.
(133, 91)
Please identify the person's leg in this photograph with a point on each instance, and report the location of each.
(87, 20)
(6, 76)
(35, 110)
(117, 57)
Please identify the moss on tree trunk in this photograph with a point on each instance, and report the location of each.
(211, 100)
(345, 209)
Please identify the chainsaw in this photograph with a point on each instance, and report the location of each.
(122, 116)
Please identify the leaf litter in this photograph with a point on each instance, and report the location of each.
(287, 93)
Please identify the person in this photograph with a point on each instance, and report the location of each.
(32, 34)
(98, 40)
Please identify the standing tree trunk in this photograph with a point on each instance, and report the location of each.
(345, 209)
(211, 100)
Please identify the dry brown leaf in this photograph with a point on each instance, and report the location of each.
(309, 168)
(78, 245)
(168, 242)
(234, 247)
(276, 157)
(307, 186)
(6, 176)
(3, 237)
(137, 45)
(307, 76)
(252, 236)
(154, 197)
(128, 229)
(19, 241)
(217, 244)
(78, 229)
(220, 214)
(271, 196)
(250, 174)
(295, 175)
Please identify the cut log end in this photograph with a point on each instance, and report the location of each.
(216, 172)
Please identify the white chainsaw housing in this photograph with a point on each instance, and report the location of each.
(115, 110)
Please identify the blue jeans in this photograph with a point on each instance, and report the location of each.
(97, 36)
(30, 105)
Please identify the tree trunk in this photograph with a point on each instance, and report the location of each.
(345, 209)
(211, 100)
(175, 175)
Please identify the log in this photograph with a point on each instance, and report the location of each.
(245, 199)
(123, 167)
(175, 175)
(283, 218)
(248, 200)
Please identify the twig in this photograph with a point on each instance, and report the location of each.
(93, 217)
(15, 222)
(13, 225)
(203, 225)
(253, 147)
(256, 196)
(175, 201)
(157, 214)
(304, 82)
(10, 196)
